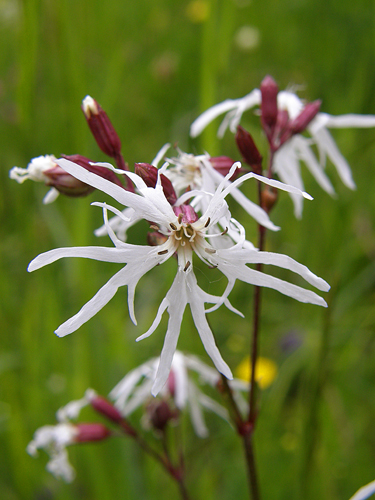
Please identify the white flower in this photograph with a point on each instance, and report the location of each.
(35, 172)
(197, 172)
(134, 389)
(287, 159)
(54, 439)
(185, 235)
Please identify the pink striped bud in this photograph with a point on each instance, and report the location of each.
(91, 432)
(186, 214)
(101, 127)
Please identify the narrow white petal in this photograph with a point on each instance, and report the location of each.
(209, 115)
(176, 310)
(160, 154)
(306, 155)
(100, 299)
(351, 120)
(248, 275)
(326, 142)
(364, 492)
(50, 196)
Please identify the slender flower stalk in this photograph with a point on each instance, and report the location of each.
(186, 234)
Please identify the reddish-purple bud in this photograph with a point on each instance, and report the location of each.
(91, 432)
(248, 149)
(155, 238)
(269, 91)
(104, 172)
(101, 127)
(186, 214)
(160, 414)
(104, 407)
(149, 174)
(222, 164)
(65, 183)
(308, 113)
(268, 198)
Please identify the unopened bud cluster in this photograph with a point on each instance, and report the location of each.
(276, 122)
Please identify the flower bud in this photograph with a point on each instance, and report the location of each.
(269, 91)
(268, 198)
(160, 414)
(186, 214)
(248, 149)
(149, 174)
(308, 113)
(101, 127)
(155, 238)
(91, 432)
(104, 407)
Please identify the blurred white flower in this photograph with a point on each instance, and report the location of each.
(185, 234)
(288, 158)
(134, 389)
(35, 171)
(54, 439)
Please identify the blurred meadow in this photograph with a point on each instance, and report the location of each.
(154, 66)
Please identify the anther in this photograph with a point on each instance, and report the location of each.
(207, 222)
(153, 226)
(224, 232)
(173, 226)
(162, 252)
(210, 250)
(180, 218)
(187, 265)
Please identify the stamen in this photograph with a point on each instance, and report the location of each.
(187, 266)
(162, 252)
(209, 250)
(225, 231)
(180, 218)
(207, 222)
(173, 226)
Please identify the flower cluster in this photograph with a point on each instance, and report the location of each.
(184, 199)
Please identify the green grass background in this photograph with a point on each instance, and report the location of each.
(154, 66)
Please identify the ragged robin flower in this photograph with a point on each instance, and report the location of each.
(186, 233)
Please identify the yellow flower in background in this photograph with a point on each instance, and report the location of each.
(265, 371)
(198, 11)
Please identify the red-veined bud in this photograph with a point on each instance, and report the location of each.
(101, 127)
(248, 149)
(308, 113)
(149, 174)
(160, 414)
(186, 214)
(269, 91)
(223, 164)
(91, 432)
